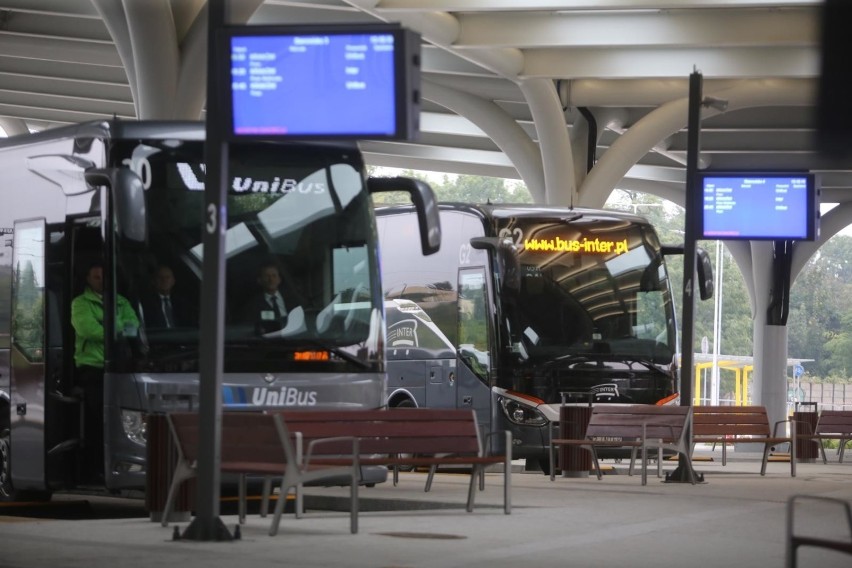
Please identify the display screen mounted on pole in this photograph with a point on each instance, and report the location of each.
(758, 206)
(312, 82)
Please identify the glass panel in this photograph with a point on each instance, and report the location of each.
(299, 224)
(473, 322)
(593, 314)
(28, 290)
(595, 287)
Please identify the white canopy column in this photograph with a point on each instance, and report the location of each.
(500, 127)
(553, 140)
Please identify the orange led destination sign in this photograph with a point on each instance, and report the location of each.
(310, 356)
(600, 246)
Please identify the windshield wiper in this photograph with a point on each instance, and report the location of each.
(647, 363)
(571, 358)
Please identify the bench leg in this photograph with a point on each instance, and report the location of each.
(644, 463)
(182, 473)
(286, 483)
(267, 491)
(632, 460)
(822, 451)
(395, 475)
(432, 470)
(300, 500)
(507, 475)
(842, 449)
(353, 496)
(724, 452)
(241, 506)
(471, 492)
(766, 459)
(597, 463)
(659, 462)
(793, 453)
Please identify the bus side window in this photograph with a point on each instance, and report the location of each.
(473, 321)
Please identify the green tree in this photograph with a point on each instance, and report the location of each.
(461, 188)
(669, 220)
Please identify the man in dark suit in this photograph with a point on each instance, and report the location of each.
(162, 310)
(268, 310)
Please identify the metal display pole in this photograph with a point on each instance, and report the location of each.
(207, 525)
(684, 472)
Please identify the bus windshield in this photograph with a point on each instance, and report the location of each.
(300, 280)
(593, 294)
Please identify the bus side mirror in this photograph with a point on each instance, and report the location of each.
(705, 274)
(128, 200)
(703, 267)
(425, 203)
(506, 254)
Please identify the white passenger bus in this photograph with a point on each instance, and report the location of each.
(525, 307)
(130, 195)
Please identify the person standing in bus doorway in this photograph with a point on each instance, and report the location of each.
(87, 317)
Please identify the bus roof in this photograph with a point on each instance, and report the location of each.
(140, 129)
(524, 210)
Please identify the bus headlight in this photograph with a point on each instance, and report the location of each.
(521, 414)
(135, 425)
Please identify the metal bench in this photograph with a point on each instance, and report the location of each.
(731, 424)
(638, 426)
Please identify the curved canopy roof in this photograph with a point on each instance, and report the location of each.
(492, 71)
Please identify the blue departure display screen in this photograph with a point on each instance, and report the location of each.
(757, 206)
(313, 85)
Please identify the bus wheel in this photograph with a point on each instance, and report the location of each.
(6, 491)
(536, 464)
(406, 403)
(5, 468)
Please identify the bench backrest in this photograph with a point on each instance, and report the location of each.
(834, 422)
(730, 420)
(252, 436)
(391, 431)
(625, 421)
(246, 437)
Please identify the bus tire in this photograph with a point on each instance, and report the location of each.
(538, 464)
(7, 493)
(405, 403)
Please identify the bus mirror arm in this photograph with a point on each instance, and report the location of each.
(127, 194)
(703, 267)
(506, 253)
(425, 203)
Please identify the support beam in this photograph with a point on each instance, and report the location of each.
(553, 141)
(500, 127)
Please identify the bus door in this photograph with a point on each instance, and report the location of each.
(473, 370)
(440, 385)
(28, 346)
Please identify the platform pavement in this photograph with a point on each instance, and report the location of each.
(736, 519)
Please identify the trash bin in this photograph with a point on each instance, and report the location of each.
(573, 421)
(805, 415)
(161, 461)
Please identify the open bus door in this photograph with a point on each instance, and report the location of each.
(28, 348)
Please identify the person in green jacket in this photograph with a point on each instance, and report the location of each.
(87, 316)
